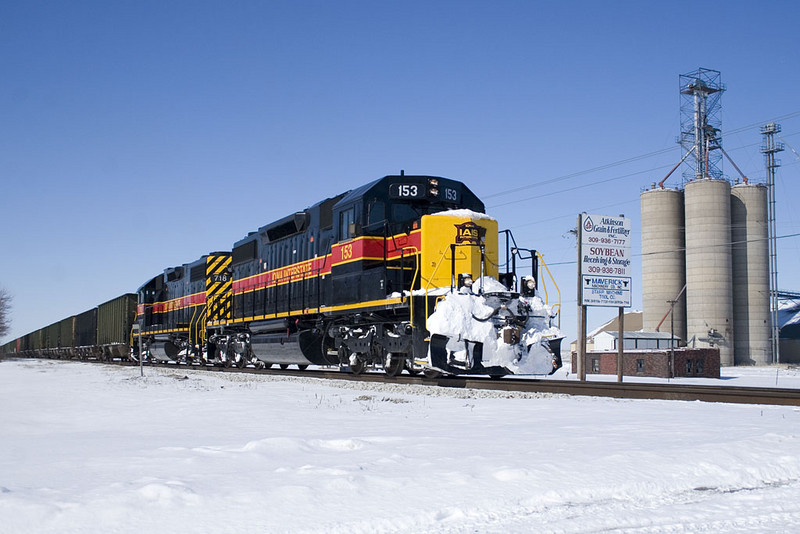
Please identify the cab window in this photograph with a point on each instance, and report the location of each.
(403, 213)
(377, 212)
(346, 218)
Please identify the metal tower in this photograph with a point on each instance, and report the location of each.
(700, 123)
(769, 148)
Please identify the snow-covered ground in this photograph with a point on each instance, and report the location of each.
(772, 376)
(92, 448)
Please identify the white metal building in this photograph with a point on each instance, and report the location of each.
(607, 341)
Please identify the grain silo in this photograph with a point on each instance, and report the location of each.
(750, 264)
(663, 260)
(724, 232)
(709, 301)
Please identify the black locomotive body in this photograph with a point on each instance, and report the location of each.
(332, 285)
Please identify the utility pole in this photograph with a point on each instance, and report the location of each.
(672, 336)
(769, 148)
(620, 341)
(581, 348)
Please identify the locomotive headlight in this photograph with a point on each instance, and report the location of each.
(528, 286)
(434, 192)
(465, 280)
(434, 182)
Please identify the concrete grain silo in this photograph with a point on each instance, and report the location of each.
(663, 260)
(724, 232)
(709, 301)
(750, 263)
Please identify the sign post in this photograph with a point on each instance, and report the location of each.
(581, 348)
(137, 330)
(604, 274)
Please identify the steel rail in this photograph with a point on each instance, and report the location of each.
(654, 391)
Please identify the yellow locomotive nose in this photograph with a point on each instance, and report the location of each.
(464, 234)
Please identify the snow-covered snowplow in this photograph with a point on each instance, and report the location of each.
(487, 329)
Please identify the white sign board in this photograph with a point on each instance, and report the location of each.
(605, 261)
(606, 291)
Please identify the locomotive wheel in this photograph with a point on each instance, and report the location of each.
(411, 370)
(302, 367)
(284, 366)
(242, 363)
(431, 373)
(393, 364)
(358, 367)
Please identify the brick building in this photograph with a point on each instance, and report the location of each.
(656, 363)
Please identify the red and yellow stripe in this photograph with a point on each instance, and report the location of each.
(366, 248)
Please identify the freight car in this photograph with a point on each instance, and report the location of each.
(103, 333)
(373, 277)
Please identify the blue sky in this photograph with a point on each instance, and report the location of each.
(141, 135)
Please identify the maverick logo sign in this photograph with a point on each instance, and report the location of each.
(470, 233)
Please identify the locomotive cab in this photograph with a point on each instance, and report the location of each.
(378, 230)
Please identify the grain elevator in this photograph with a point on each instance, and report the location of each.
(705, 257)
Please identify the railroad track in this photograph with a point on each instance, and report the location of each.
(728, 394)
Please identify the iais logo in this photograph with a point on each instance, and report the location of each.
(469, 232)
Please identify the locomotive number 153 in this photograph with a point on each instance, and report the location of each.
(415, 191)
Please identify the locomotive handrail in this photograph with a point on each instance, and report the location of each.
(552, 279)
(201, 327)
(453, 248)
(413, 279)
(272, 306)
(433, 275)
(194, 327)
(191, 328)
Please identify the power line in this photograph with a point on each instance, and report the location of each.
(628, 160)
(761, 123)
(578, 187)
(580, 173)
(572, 215)
(574, 262)
(561, 178)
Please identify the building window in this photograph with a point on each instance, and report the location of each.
(699, 365)
(640, 366)
(688, 367)
(595, 365)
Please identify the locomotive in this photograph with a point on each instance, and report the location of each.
(375, 277)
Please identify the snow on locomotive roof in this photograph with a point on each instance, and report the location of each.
(465, 213)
